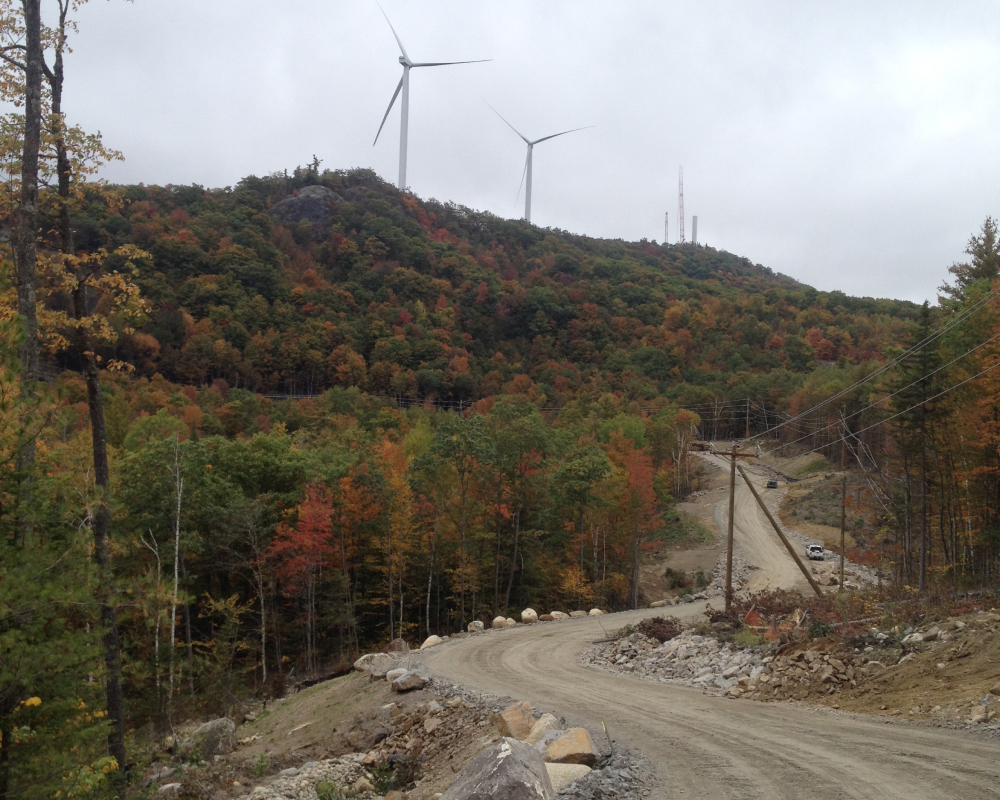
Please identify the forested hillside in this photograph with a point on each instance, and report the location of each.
(333, 414)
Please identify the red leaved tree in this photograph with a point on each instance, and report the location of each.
(301, 552)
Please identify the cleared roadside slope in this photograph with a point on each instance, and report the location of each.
(707, 747)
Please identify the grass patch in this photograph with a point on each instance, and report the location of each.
(745, 637)
(685, 529)
(817, 465)
(679, 579)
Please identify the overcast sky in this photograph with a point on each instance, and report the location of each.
(849, 145)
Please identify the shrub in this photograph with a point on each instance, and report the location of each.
(745, 637)
(663, 629)
(327, 790)
(260, 765)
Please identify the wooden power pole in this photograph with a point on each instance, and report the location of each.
(843, 525)
(732, 508)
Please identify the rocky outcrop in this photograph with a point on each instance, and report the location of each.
(312, 203)
(214, 738)
(510, 769)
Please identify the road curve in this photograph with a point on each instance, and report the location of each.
(713, 748)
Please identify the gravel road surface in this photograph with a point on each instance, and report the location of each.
(709, 747)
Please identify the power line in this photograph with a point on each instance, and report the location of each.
(894, 362)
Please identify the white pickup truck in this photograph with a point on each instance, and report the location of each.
(815, 553)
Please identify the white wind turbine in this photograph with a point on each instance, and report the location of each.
(527, 164)
(404, 86)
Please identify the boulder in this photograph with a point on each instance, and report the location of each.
(510, 769)
(410, 680)
(545, 618)
(658, 604)
(564, 774)
(392, 674)
(559, 615)
(543, 725)
(688, 598)
(595, 612)
(913, 638)
(430, 641)
(529, 615)
(361, 665)
(382, 664)
(932, 634)
(510, 622)
(499, 622)
(578, 613)
(170, 789)
(573, 746)
(476, 626)
(995, 690)
(214, 738)
(516, 720)
(397, 647)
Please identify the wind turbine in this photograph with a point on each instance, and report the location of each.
(404, 86)
(527, 164)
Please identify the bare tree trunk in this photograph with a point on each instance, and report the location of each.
(179, 489)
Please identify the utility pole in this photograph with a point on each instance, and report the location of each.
(666, 226)
(748, 418)
(732, 509)
(843, 525)
(729, 538)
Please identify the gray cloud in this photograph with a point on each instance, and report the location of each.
(848, 145)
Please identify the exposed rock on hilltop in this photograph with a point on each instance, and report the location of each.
(312, 203)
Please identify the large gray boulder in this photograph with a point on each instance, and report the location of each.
(410, 680)
(510, 769)
(312, 203)
(215, 738)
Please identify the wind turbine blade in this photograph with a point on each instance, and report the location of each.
(449, 63)
(554, 135)
(509, 126)
(398, 40)
(523, 173)
(395, 94)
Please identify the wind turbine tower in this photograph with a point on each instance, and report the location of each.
(680, 202)
(404, 87)
(666, 227)
(527, 164)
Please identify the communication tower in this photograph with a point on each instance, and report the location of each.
(680, 203)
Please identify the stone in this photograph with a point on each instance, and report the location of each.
(913, 638)
(873, 666)
(564, 774)
(578, 613)
(658, 604)
(932, 634)
(363, 785)
(559, 615)
(378, 667)
(430, 641)
(311, 203)
(361, 665)
(688, 598)
(545, 618)
(544, 724)
(573, 746)
(455, 702)
(412, 679)
(510, 622)
(515, 721)
(595, 612)
(217, 737)
(510, 769)
(499, 622)
(169, 790)
(476, 626)
(529, 616)
(392, 674)
(995, 690)
(397, 647)
(395, 794)
(431, 724)
(979, 714)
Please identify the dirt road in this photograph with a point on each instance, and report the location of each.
(753, 534)
(708, 747)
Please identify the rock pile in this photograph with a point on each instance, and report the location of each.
(347, 773)
(689, 659)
